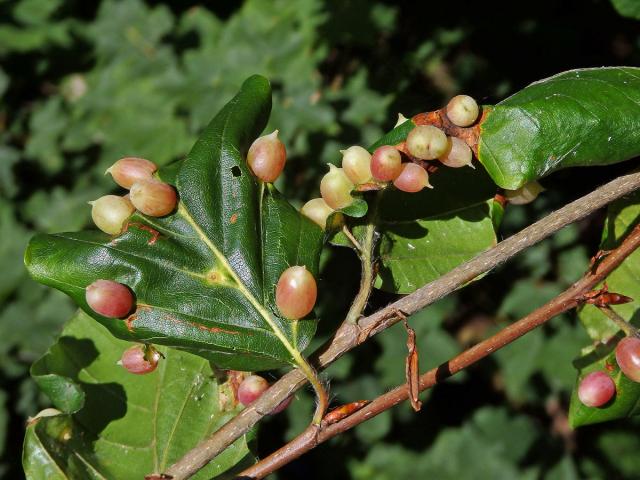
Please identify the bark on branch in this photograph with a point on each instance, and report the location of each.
(351, 335)
(567, 300)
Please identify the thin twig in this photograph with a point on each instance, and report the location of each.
(567, 300)
(620, 322)
(349, 336)
(351, 238)
(365, 253)
(367, 276)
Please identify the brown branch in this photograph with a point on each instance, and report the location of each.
(349, 336)
(567, 300)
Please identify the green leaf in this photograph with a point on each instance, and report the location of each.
(29, 324)
(357, 209)
(9, 157)
(207, 284)
(4, 84)
(627, 398)
(35, 11)
(48, 123)
(580, 117)
(131, 425)
(426, 234)
(622, 216)
(627, 8)
(395, 136)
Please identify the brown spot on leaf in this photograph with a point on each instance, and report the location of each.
(234, 218)
(141, 226)
(134, 316)
(129, 321)
(201, 326)
(215, 276)
(213, 329)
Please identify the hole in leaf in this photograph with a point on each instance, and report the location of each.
(236, 171)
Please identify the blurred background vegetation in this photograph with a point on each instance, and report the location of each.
(85, 83)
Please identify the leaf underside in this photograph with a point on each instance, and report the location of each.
(126, 425)
(581, 117)
(204, 276)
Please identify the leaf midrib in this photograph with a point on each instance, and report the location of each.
(163, 461)
(182, 210)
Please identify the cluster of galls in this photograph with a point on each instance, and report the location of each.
(597, 388)
(146, 194)
(114, 300)
(110, 214)
(362, 170)
(295, 292)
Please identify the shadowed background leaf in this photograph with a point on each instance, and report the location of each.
(120, 425)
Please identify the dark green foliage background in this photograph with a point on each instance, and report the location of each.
(83, 83)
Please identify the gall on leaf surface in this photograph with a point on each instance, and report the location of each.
(116, 425)
(204, 276)
(626, 401)
(426, 234)
(577, 118)
(622, 216)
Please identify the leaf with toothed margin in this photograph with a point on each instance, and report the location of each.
(117, 425)
(582, 117)
(204, 276)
